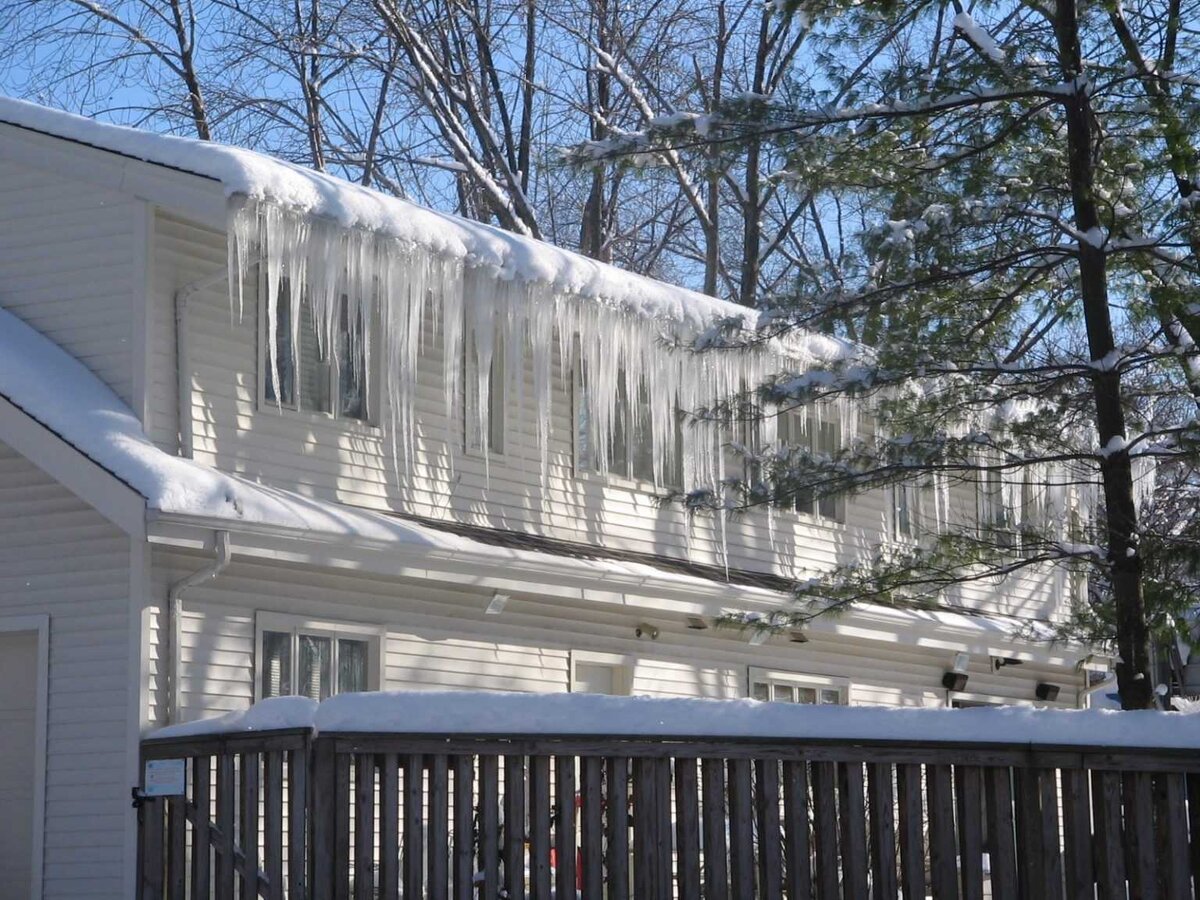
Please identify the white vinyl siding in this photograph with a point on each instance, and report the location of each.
(61, 558)
(440, 638)
(67, 267)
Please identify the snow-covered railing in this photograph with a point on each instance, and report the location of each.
(414, 795)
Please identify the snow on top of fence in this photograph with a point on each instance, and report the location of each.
(260, 177)
(505, 713)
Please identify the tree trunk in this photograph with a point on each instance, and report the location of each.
(593, 238)
(751, 203)
(1133, 641)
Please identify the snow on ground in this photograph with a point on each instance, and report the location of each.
(501, 713)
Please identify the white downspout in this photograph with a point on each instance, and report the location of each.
(174, 615)
(183, 362)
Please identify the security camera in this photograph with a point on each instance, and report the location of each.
(646, 630)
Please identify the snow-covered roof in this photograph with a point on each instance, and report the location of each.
(507, 713)
(259, 177)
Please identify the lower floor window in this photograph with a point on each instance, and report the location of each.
(315, 659)
(793, 687)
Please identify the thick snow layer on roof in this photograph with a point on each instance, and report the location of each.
(503, 713)
(260, 177)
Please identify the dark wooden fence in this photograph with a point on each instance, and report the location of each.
(281, 814)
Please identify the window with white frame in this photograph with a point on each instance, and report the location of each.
(794, 687)
(493, 418)
(315, 659)
(307, 376)
(599, 673)
(819, 432)
(631, 439)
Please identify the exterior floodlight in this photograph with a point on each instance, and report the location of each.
(496, 606)
(796, 636)
(1047, 692)
(696, 623)
(645, 630)
(954, 681)
(999, 662)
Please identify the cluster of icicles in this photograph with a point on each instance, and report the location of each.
(392, 288)
(398, 295)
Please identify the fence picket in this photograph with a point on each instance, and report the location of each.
(539, 827)
(225, 816)
(514, 826)
(464, 845)
(617, 807)
(592, 847)
(912, 832)
(852, 804)
(770, 848)
(565, 843)
(437, 830)
(1002, 841)
(364, 826)
(489, 824)
(884, 884)
(716, 871)
(202, 812)
(389, 826)
(968, 795)
(797, 845)
(741, 828)
(413, 836)
(1077, 836)
(687, 826)
(273, 823)
(1109, 843)
(943, 855)
(176, 848)
(825, 828)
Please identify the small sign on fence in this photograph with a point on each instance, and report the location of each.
(164, 778)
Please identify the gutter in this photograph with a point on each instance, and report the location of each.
(174, 611)
(183, 362)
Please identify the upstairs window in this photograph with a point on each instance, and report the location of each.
(631, 442)
(315, 378)
(821, 435)
(493, 418)
(907, 512)
(995, 516)
(792, 687)
(315, 659)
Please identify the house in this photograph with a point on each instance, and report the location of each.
(265, 432)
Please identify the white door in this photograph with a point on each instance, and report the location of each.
(18, 717)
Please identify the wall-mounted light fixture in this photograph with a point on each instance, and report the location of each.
(956, 678)
(497, 604)
(796, 636)
(696, 623)
(646, 630)
(999, 662)
(954, 681)
(1046, 691)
